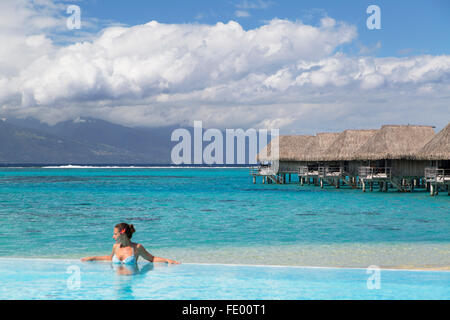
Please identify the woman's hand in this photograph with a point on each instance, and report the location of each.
(172, 261)
(86, 259)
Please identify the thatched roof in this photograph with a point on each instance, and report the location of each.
(317, 146)
(345, 145)
(395, 142)
(438, 148)
(290, 148)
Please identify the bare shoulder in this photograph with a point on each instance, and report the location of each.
(140, 248)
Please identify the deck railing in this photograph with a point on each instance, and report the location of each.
(437, 175)
(330, 171)
(305, 171)
(262, 170)
(374, 172)
(302, 170)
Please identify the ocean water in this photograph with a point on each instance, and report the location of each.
(218, 216)
(70, 279)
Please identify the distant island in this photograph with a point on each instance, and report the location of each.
(87, 141)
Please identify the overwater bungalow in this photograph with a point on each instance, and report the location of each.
(274, 166)
(390, 156)
(402, 156)
(340, 158)
(437, 154)
(314, 157)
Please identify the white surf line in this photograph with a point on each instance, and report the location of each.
(231, 265)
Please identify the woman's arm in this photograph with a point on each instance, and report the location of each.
(147, 256)
(100, 258)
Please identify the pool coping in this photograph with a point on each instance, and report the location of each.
(237, 265)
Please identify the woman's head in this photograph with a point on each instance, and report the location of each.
(123, 229)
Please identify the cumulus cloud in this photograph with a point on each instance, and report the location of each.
(22, 33)
(284, 73)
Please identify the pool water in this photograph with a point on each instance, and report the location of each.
(58, 279)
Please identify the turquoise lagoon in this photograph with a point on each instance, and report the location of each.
(217, 216)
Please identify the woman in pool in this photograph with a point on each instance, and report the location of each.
(126, 252)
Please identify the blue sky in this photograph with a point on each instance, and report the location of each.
(408, 27)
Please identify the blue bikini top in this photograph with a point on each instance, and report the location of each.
(128, 260)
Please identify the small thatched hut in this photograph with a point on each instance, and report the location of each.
(392, 153)
(395, 142)
(288, 158)
(437, 153)
(341, 155)
(437, 149)
(315, 155)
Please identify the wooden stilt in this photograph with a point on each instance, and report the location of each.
(254, 179)
(321, 183)
(363, 185)
(431, 190)
(371, 186)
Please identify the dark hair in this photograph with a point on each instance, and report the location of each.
(129, 229)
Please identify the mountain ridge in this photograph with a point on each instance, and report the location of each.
(89, 141)
(28, 140)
